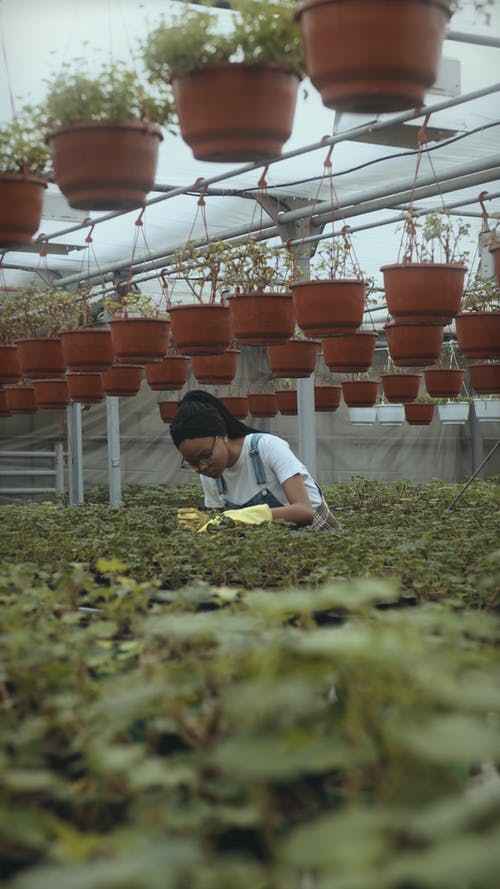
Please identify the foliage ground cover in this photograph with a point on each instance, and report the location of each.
(254, 708)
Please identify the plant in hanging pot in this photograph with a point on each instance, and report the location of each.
(487, 409)
(478, 322)
(372, 56)
(10, 371)
(360, 391)
(123, 380)
(235, 92)
(171, 372)
(427, 286)
(389, 414)
(203, 327)
(286, 397)
(24, 164)
(263, 403)
(20, 398)
(332, 300)
(295, 359)
(350, 352)
(168, 410)
(86, 345)
(104, 135)
(445, 381)
(413, 345)
(420, 412)
(485, 377)
(41, 315)
(139, 326)
(399, 386)
(453, 411)
(260, 303)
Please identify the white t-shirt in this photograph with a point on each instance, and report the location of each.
(280, 464)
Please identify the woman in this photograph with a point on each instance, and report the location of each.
(252, 474)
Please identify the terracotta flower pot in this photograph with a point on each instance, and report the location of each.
(123, 380)
(327, 398)
(262, 318)
(10, 372)
(216, 369)
(326, 308)
(238, 405)
(350, 353)
(88, 349)
(234, 112)
(21, 201)
(419, 413)
(168, 410)
(424, 292)
(105, 165)
(414, 344)
(478, 334)
(4, 408)
(485, 378)
(295, 359)
(201, 329)
(262, 404)
(372, 56)
(51, 394)
(21, 399)
(169, 374)
(443, 382)
(85, 388)
(287, 402)
(41, 357)
(360, 393)
(400, 388)
(139, 340)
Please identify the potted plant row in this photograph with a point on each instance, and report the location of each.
(24, 165)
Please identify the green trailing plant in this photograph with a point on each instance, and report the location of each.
(481, 295)
(260, 32)
(254, 267)
(435, 237)
(113, 92)
(22, 144)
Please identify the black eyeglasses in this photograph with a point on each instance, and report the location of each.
(205, 457)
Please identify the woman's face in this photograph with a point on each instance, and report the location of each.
(208, 456)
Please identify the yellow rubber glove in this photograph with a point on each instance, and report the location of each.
(247, 515)
(190, 519)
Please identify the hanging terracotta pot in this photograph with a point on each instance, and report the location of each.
(443, 382)
(424, 292)
(287, 402)
(169, 374)
(139, 340)
(4, 408)
(232, 112)
(88, 349)
(10, 372)
(414, 344)
(327, 308)
(122, 380)
(237, 404)
(105, 165)
(21, 399)
(372, 56)
(41, 357)
(262, 318)
(350, 353)
(360, 393)
(201, 329)
(419, 413)
(327, 398)
(400, 388)
(85, 388)
(485, 378)
(168, 410)
(262, 404)
(295, 359)
(51, 394)
(21, 202)
(478, 334)
(216, 369)
(495, 250)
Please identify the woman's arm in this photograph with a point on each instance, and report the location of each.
(299, 510)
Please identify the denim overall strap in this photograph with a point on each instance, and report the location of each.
(263, 495)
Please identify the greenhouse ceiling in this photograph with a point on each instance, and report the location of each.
(373, 161)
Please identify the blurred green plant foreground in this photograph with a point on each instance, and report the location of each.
(256, 708)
